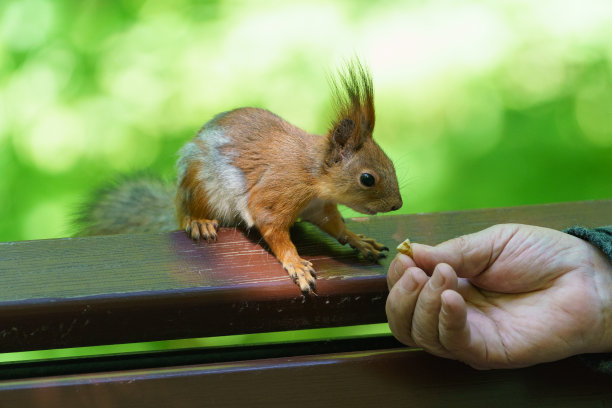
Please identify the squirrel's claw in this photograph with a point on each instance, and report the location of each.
(303, 274)
(368, 247)
(201, 229)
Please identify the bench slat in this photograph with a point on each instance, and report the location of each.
(130, 288)
(386, 378)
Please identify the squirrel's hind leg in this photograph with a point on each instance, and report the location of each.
(194, 214)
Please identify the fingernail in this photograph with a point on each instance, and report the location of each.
(437, 280)
(408, 282)
(398, 270)
(404, 260)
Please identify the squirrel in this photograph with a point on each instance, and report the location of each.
(250, 167)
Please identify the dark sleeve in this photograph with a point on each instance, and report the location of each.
(602, 238)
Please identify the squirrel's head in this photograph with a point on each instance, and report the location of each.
(358, 173)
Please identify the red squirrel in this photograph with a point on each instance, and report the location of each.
(248, 167)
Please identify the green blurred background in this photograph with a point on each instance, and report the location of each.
(480, 104)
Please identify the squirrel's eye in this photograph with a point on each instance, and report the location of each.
(367, 179)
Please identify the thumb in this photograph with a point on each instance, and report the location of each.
(469, 255)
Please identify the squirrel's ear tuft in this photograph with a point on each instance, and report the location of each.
(353, 97)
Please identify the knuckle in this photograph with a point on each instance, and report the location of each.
(461, 247)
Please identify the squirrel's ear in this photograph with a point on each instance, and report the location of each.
(342, 132)
(353, 99)
(349, 135)
(346, 138)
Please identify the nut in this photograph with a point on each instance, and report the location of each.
(405, 248)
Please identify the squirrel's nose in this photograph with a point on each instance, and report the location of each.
(397, 206)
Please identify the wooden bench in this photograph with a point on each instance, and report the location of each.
(106, 290)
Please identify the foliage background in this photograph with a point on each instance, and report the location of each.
(479, 103)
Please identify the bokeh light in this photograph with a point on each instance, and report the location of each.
(479, 104)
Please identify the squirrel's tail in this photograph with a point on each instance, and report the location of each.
(133, 205)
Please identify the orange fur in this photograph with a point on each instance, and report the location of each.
(191, 198)
(288, 173)
(299, 270)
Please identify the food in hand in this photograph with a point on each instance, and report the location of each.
(405, 248)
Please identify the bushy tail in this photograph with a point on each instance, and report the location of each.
(136, 205)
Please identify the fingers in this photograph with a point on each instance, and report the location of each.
(425, 320)
(464, 254)
(413, 307)
(398, 266)
(430, 313)
(402, 301)
(453, 328)
(469, 255)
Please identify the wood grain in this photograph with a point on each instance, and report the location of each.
(127, 288)
(386, 378)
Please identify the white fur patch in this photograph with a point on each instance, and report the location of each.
(225, 184)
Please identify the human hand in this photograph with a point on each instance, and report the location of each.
(508, 296)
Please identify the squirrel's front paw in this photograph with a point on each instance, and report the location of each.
(303, 274)
(369, 247)
(199, 229)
